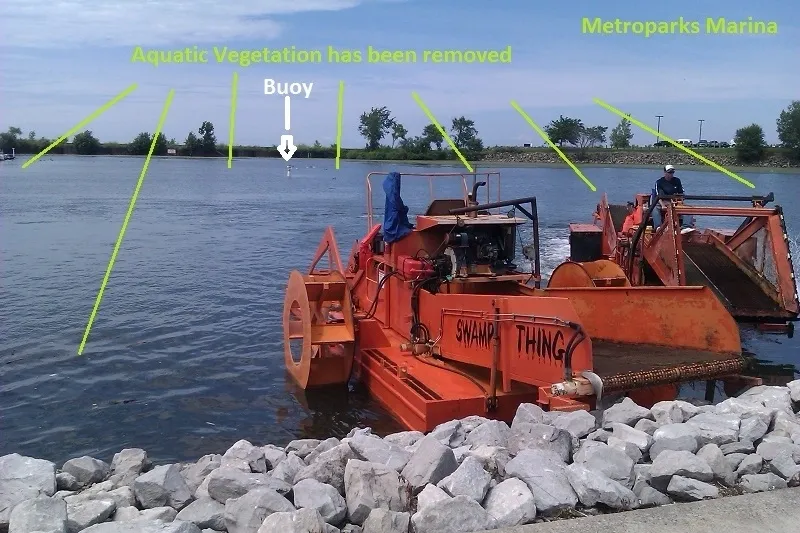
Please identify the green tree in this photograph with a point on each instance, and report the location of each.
(789, 128)
(433, 135)
(375, 125)
(86, 144)
(161, 145)
(465, 136)
(564, 130)
(591, 137)
(32, 135)
(208, 141)
(192, 144)
(750, 144)
(10, 139)
(141, 144)
(621, 135)
(416, 145)
(398, 132)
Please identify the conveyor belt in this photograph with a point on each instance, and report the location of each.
(623, 366)
(706, 265)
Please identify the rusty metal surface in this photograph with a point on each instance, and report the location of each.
(717, 271)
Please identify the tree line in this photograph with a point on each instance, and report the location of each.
(386, 138)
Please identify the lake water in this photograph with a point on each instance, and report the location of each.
(185, 356)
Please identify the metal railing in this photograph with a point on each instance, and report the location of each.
(484, 176)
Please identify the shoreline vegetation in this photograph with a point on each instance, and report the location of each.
(388, 140)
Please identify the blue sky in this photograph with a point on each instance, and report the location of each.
(63, 59)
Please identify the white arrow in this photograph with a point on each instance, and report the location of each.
(287, 113)
(287, 147)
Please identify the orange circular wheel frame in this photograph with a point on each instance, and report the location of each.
(319, 339)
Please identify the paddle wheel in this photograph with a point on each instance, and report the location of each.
(318, 323)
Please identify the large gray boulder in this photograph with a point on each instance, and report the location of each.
(205, 513)
(311, 494)
(143, 526)
(386, 521)
(370, 486)
(87, 470)
(540, 437)
(246, 513)
(244, 451)
(162, 486)
(196, 473)
(684, 464)
(593, 488)
(510, 503)
(129, 463)
(377, 450)
(225, 483)
(432, 462)
(300, 521)
(82, 513)
(625, 412)
(23, 478)
(328, 467)
(607, 460)
(42, 513)
(470, 479)
(545, 474)
(453, 515)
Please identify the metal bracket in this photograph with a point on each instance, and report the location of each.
(597, 383)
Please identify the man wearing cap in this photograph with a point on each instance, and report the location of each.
(668, 185)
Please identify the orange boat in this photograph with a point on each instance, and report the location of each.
(439, 322)
(749, 269)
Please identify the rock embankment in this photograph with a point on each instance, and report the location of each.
(466, 475)
(633, 158)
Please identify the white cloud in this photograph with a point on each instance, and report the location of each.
(63, 23)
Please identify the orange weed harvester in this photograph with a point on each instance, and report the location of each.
(749, 269)
(439, 322)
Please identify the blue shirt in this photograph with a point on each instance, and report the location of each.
(669, 187)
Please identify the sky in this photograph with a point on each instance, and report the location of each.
(62, 59)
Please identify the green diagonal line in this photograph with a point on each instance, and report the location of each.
(234, 84)
(441, 130)
(105, 107)
(660, 135)
(127, 219)
(339, 112)
(544, 136)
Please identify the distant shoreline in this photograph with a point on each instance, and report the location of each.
(624, 159)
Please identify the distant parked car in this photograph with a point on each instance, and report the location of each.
(724, 145)
(702, 144)
(661, 143)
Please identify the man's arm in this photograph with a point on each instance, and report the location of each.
(680, 187)
(659, 192)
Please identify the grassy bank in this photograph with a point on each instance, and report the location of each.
(775, 159)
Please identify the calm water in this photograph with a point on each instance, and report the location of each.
(185, 355)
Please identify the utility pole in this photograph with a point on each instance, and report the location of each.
(700, 120)
(658, 128)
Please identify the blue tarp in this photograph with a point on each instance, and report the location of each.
(395, 212)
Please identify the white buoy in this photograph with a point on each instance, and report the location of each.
(288, 171)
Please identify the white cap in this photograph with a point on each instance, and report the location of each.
(667, 168)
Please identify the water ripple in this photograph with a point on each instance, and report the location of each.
(185, 355)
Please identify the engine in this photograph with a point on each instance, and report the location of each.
(475, 250)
